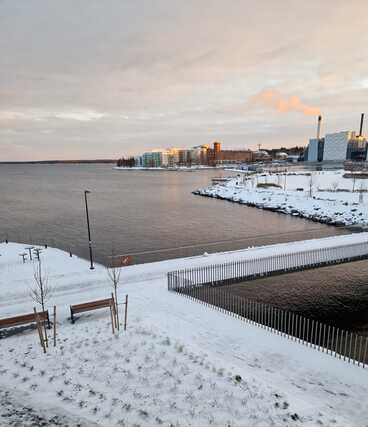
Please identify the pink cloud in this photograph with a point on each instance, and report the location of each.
(273, 99)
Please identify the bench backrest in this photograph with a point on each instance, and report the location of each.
(23, 319)
(91, 305)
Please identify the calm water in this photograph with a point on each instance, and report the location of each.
(336, 295)
(147, 214)
(133, 212)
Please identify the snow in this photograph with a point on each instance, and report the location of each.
(179, 362)
(324, 196)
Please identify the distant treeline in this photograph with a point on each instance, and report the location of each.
(292, 151)
(126, 163)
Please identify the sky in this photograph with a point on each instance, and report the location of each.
(84, 79)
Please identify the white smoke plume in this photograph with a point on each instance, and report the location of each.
(272, 98)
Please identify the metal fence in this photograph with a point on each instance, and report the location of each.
(337, 342)
(238, 271)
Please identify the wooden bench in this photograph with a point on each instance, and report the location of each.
(90, 306)
(25, 319)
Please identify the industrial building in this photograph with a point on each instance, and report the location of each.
(217, 156)
(316, 149)
(337, 146)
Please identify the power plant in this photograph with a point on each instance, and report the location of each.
(337, 146)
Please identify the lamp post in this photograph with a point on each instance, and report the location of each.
(89, 230)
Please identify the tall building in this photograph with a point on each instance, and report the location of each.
(336, 146)
(315, 150)
(217, 147)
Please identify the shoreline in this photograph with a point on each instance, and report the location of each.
(340, 207)
(355, 228)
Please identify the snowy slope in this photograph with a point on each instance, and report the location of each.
(178, 363)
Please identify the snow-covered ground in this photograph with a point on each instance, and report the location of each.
(324, 196)
(179, 363)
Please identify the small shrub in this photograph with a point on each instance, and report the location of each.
(179, 348)
(295, 417)
(143, 413)
(166, 341)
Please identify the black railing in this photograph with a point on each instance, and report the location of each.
(337, 342)
(253, 267)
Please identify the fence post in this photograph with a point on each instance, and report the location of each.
(355, 347)
(333, 340)
(345, 344)
(360, 349)
(54, 325)
(126, 312)
(337, 341)
(365, 352)
(303, 335)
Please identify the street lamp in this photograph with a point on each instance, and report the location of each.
(89, 230)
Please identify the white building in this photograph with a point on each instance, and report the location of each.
(313, 150)
(336, 145)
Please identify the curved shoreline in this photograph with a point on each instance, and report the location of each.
(282, 209)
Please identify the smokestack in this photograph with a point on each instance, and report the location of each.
(361, 124)
(319, 127)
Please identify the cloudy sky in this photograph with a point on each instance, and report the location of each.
(104, 78)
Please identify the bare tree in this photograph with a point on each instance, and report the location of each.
(354, 181)
(113, 273)
(41, 291)
(361, 193)
(285, 180)
(311, 184)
